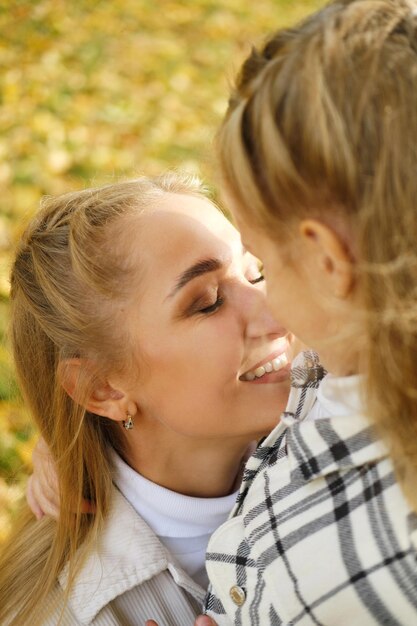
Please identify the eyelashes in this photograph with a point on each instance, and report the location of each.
(220, 299)
(212, 307)
(257, 280)
(261, 276)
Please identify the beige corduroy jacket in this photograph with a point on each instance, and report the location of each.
(129, 578)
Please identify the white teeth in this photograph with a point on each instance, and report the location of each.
(279, 362)
(274, 365)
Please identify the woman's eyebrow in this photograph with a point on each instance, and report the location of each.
(198, 269)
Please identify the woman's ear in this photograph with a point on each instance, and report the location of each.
(78, 375)
(334, 261)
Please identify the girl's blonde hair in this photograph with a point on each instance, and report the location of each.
(70, 272)
(323, 119)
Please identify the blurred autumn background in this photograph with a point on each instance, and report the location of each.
(97, 90)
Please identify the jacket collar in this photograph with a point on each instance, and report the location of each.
(126, 554)
(313, 447)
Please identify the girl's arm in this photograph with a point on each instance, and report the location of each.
(42, 493)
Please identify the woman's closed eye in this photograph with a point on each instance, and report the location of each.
(205, 303)
(219, 301)
(211, 308)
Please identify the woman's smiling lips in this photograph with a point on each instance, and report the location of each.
(272, 368)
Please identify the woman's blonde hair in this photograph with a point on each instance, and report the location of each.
(323, 119)
(71, 270)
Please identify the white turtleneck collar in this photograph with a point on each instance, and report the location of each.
(183, 524)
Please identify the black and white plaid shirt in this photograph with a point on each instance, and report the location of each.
(321, 533)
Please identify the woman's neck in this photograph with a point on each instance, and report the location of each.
(204, 469)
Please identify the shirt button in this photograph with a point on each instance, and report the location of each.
(238, 595)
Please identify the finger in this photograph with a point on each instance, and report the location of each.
(43, 492)
(45, 471)
(41, 455)
(45, 481)
(31, 500)
(204, 620)
(150, 622)
(47, 504)
(50, 479)
(88, 507)
(42, 446)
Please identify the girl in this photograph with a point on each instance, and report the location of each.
(150, 364)
(319, 154)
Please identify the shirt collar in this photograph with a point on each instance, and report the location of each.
(126, 554)
(326, 445)
(343, 438)
(306, 374)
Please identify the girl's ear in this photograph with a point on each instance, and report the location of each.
(334, 261)
(102, 399)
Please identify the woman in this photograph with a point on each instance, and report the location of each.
(150, 364)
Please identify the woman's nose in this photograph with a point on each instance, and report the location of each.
(259, 319)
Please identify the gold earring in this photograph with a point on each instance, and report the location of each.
(128, 422)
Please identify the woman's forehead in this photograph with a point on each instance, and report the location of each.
(178, 233)
(188, 219)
